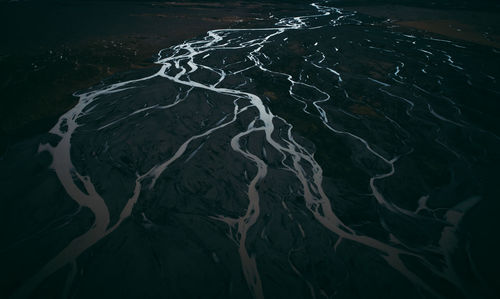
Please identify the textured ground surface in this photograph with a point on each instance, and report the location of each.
(333, 154)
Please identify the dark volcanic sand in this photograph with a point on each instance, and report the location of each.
(342, 157)
(50, 50)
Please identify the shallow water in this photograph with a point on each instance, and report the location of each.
(329, 155)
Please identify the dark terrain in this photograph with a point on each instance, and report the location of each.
(53, 49)
(347, 153)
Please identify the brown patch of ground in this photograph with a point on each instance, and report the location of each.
(271, 95)
(363, 110)
(455, 30)
(296, 48)
(376, 69)
(229, 19)
(481, 27)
